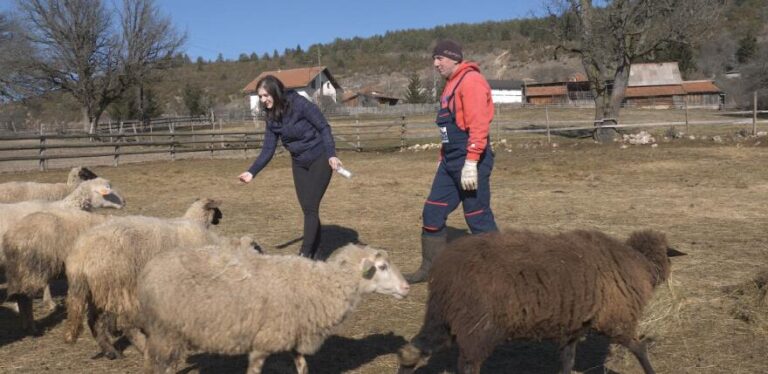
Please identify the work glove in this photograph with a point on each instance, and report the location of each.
(469, 175)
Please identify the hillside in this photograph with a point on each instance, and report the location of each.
(514, 49)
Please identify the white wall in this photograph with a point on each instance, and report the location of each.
(506, 96)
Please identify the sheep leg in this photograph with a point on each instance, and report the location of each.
(76, 306)
(256, 361)
(301, 363)
(99, 329)
(25, 313)
(467, 366)
(48, 299)
(568, 356)
(640, 351)
(160, 357)
(137, 338)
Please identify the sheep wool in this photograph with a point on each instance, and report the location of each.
(106, 260)
(247, 303)
(485, 289)
(35, 248)
(13, 192)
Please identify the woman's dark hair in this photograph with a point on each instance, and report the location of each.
(276, 89)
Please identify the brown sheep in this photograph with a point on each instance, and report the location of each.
(485, 289)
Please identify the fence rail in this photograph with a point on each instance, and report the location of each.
(195, 135)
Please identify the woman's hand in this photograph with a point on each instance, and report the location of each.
(245, 177)
(334, 162)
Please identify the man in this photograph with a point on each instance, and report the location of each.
(463, 174)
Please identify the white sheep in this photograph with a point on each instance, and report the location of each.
(106, 260)
(94, 193)
(35, 249)
(234, 302)
(12, 192)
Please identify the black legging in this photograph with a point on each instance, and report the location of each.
(311, 183)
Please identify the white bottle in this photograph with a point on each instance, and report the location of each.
(344, 172)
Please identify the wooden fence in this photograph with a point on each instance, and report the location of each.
(352, 134)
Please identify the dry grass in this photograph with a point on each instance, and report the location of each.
(709, 198)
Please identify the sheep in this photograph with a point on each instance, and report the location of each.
(106, 260)
(244, 303)
(13, 192)
(94, 193)
(484, 289)
(35, 249)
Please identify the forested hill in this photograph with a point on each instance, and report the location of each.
(514, 49)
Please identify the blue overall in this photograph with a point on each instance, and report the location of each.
(446, 193)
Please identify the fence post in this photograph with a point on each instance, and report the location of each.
(549, 135)
(754, 114)
(357, 136)
(403, 129)
(210, 145)
(116, 160)
(41, 152)
(172, 149)
(221, 136)
(687, 125)
(245, 145)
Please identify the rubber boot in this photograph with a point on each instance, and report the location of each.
(431, 246)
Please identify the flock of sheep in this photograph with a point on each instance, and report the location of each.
(172, 284)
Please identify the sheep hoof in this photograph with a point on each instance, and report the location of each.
(111, 355)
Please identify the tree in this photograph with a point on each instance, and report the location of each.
(80, 51)
(15, 53)
(195, 100)
(609, 38)
(747, 49)
(415, 94)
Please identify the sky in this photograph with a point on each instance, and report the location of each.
(232, 27)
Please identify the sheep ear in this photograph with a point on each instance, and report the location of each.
(369, 269)
(217, 216)
(671, 252)
(86, 174)
(104, 191)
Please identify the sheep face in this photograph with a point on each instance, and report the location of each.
(381, 276)
(103, 195)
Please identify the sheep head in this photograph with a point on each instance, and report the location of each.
(653, 245)
(95, 193)
(377, 273)
(205, 211)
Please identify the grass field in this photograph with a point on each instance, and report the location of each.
(710, 198)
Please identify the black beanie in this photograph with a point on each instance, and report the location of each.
(448, 48)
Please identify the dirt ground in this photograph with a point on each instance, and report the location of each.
(709, 198)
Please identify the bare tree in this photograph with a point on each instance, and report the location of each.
(80, 52)
(609, 38)
(15, 53)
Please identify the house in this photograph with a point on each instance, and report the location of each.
(369, 98)
(573, 91)
(314, 83)
(506, 91)
(656, 85)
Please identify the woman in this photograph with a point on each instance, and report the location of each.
(305, 133)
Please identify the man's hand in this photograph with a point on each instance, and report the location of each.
(469, 175)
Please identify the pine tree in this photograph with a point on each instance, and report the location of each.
(415, 94)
